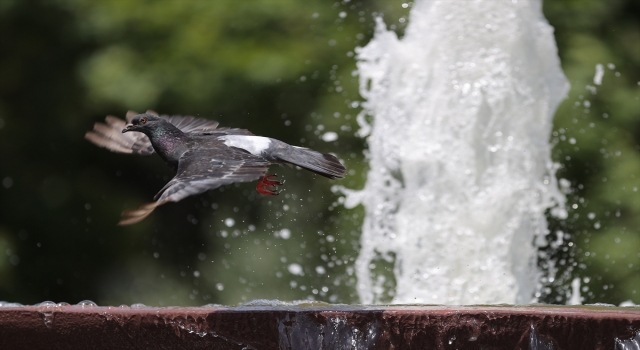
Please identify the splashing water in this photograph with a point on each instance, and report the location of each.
(460, 164)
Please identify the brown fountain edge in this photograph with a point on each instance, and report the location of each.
(316, 327)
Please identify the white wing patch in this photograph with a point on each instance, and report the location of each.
(252, 144)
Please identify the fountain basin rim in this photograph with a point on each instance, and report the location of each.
(317, 307)
(281, 326)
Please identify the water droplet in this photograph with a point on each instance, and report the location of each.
(9, 304)
(46, 309)
(87, 303)
(329, 136)
(14, 260)
(229, 222)
(212, 306)
(597, 79)
(7, 182)
(138, 306)
(47, 304)
(295, 269)
(285, 233)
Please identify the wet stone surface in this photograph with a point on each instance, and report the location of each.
(289, 326)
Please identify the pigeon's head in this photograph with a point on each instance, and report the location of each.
(144, 123)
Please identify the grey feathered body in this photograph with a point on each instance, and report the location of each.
(204, 156)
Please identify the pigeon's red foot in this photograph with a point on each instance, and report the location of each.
(268, 187)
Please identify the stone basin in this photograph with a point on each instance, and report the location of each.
(319, 326)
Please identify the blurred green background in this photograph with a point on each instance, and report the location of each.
(284, 69)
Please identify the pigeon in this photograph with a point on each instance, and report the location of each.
(203, 155)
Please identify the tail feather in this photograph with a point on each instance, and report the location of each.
(323, 164)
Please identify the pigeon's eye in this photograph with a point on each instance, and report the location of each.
(143, 121)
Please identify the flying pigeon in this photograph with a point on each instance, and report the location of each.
(204, 156)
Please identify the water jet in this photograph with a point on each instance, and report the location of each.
(461, 172)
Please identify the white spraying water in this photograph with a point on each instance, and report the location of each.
(460, 162)
(597, 79)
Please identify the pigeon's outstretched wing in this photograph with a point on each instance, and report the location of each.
(201, 170)
(109, 134)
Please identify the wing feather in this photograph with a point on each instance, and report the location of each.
(109, 134)
(198, 172)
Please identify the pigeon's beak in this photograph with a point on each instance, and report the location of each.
(127, 128)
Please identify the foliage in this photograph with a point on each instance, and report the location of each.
(598, 142)
(280, 68)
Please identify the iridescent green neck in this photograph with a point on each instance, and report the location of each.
(169, 142)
